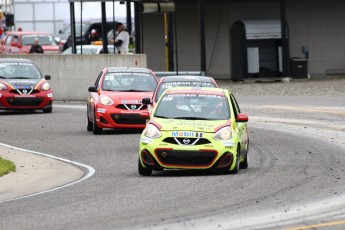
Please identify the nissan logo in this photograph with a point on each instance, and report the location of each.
(186, 141)
(133, 107)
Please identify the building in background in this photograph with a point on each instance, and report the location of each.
(54, 15)
(316, 32)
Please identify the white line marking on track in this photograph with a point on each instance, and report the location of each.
(90, 172)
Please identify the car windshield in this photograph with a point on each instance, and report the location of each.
(19, 70)
(43, 39)
(193, 106)
(129, 82)
(167, 85)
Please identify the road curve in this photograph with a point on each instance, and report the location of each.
(290, 169)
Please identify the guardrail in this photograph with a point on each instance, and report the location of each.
(73, 74)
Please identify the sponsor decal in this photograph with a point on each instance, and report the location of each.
(24, 95)
(186, 134)
(146, 140)
(128, 70)
(101, 110)
(168, 85)
(202, 125)
(130, 101)
(228, 143)
(50, 95)
(22, 82)
(15, 63)
(130, 111)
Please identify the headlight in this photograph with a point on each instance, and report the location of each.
(2, 87)
(152, 131)
(46, 86)
(223, 134)
(105, 100)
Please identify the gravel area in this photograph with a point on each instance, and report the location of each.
(334, 87)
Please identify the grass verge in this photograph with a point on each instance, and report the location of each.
(6, 166)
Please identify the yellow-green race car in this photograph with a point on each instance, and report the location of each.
(194, 128)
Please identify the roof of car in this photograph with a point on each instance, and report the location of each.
(28, 33)
(198, 90)
(186, 78)
(4, 60)
(128, 69)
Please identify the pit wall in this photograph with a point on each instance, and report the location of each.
(72, 75)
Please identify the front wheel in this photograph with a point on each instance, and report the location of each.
(143, 171)
(48, 110)
(244, 164)
(89, 123)
(237, 163)
(96, 129)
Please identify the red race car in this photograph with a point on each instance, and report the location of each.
(115, 100)
(23, 87)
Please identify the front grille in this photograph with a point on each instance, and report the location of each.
(186, 158)
(131, 119)
(132, 106)
(24, 101)
(23, 91)
(186, 141)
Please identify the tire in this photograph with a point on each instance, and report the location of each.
(89, 123)
(96, 130)
(244, 164)
(237, 167)
(48, 110)
(143, 171)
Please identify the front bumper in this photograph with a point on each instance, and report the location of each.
(111, 117)
(11, 101)
(157, 154)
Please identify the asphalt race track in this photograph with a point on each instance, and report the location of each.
(296, 166)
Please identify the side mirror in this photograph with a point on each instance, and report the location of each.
(47, 77)
(241, 117)
(93, 89)
(145, 114)
(146, 101)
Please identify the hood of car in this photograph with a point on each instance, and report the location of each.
(127, 97)
(22, 83)
(181, 126)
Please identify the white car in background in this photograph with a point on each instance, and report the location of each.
(90, 49)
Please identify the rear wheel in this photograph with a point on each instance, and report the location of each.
(95, 128)
(143, 171)
(48, 110)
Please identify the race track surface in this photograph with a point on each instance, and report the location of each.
(296, 158)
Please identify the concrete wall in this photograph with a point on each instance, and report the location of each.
(318, 25)
(72, 75)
